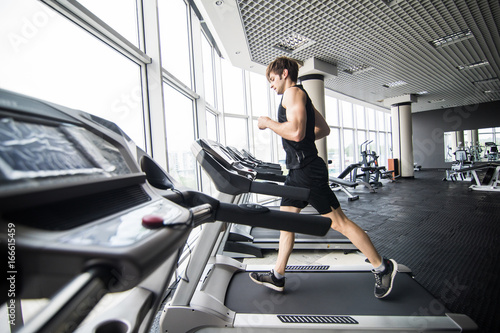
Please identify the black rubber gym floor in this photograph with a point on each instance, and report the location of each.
(447, 235)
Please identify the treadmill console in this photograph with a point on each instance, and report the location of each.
(73, 196)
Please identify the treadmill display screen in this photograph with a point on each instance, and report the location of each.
(39, 151)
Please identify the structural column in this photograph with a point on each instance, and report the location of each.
(402, 138)
(474, 137)
(314, 84)
(460, 137)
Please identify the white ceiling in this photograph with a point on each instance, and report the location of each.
(394, 39)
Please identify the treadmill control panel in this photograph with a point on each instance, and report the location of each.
(127, 229)
(71, 185)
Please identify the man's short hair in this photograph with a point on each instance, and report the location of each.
(281, 63)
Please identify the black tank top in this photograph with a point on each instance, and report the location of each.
(299, 154)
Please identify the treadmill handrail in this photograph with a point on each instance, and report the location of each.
(228, 179)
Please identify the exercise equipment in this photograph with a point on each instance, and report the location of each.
(260, 167)
(245, 241)
(462, 160)
(219, 296)
(487, 182)
(491, 151)
(339, 184)
(370, 172)
(85, 212)
(251, 157)
(351, 171)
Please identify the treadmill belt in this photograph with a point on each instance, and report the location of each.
(339, 293)
(261, 234)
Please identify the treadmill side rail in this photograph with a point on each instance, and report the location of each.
(182, 319)
(464, 322)
(272, 323)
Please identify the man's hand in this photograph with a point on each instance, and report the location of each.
(262, 122)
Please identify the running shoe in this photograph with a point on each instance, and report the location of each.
(384, 280)
(269, 280)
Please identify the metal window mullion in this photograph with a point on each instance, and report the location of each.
(80, 15)
(178, 84)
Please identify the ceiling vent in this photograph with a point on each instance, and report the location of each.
(395, 84)
(439, 100)
(358, 69)
(293, 43)
(473, 65)
(391, 2)
(452, 39)
(486, 81)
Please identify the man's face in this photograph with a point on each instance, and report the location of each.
(277, 82)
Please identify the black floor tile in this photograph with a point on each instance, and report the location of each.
(448, 235)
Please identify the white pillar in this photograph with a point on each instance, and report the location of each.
(314, 84)
(402, 138)
(460, 139)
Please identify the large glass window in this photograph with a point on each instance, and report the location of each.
(121, 15)
(381, 121)
(361, 139)
(45, 55)
(334, 151)
(181, 162)
(212, 126)
(262, 146)
(370, 113)
(382, 149)
(259, 94)
(485, 135)
(349, 150)
(174, 35)
(360, 116)
(388, 121)
(372, 135)
(236, 132)
(208, 71)
(331, 111)
(347, 114)
(232, 81)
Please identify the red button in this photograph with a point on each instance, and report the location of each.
(152, 221)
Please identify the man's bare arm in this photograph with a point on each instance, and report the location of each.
(321, 128)
(294, 129)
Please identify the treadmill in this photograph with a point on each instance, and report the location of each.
(85, 212)
(244, 241)
(220, 297)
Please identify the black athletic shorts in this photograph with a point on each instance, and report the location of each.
(315, 177)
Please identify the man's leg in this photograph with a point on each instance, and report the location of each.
(275, 278)
(287, 240)
(356, 235)
(384, 269)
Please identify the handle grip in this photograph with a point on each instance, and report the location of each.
(260, 216)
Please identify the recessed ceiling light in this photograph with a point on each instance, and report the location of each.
(473, 65)
(293, 43)
(358, 69)
(436, 100)
(391, 2)
(395, 84)
(491, 80)
(423, 92)
(452, 38)
(219, 2)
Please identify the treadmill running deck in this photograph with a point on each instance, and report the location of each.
(339, 293)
